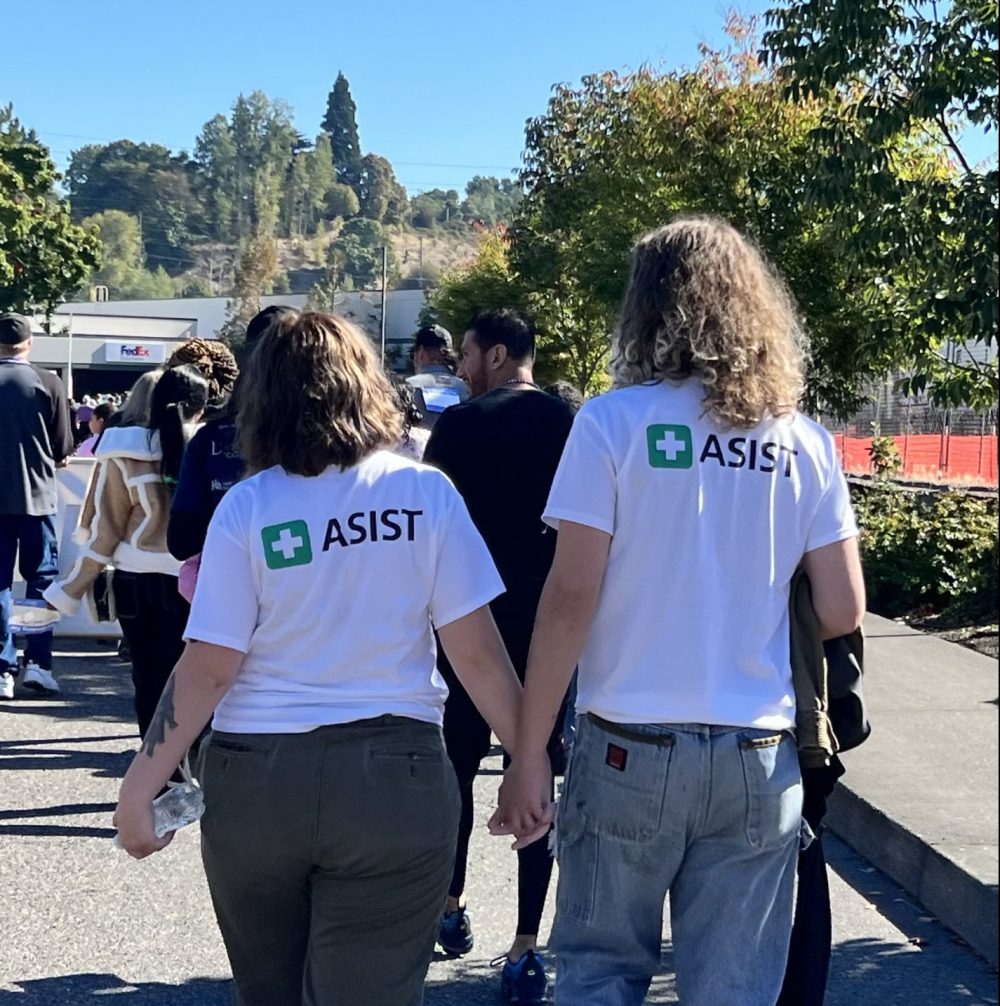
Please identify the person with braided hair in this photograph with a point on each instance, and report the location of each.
(212, 463)
(217, 364)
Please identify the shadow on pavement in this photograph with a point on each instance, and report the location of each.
(33, 754)
(72, 990)
(56, 830)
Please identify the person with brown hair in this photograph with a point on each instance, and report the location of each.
(685, 499)
(331, 807)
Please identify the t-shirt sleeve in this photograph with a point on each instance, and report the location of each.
(585, 487)
(833, 519)
(224, 610)
(465, 577)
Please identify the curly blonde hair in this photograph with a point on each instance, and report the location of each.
(313, 395)
(703, 301)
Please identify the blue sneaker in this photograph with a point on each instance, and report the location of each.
(523, 982)
(455, 934)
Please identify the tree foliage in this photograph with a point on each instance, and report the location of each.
(620, 155)
(254, 278)
(892, 74)
(145, 180)
(340, 124)
(382, 198)
(123, 269)
(44, 256)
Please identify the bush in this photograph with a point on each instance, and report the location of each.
(886, 460)
(927, 553)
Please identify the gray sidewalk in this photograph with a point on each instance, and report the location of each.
(80, 922)
(920, 797)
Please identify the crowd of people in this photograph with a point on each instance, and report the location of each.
(336, 586)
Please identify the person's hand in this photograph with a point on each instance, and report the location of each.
(134, 822)
(525, 808)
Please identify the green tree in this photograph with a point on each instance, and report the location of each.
(622, 154)
(123, 269)
(342, 201)
(44, 256)
(147, 181)
(490, 201)
(340, 124)
(265, 142)
(215, 155)
(321, 177)
(354, 259)
(889, 73)
(382, 198)
(436, 206)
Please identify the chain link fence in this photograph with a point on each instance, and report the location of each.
(940, 445)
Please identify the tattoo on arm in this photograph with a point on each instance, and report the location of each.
(163, 720)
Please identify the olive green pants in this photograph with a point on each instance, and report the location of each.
(328, 856)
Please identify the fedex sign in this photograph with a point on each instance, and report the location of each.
(135, 352)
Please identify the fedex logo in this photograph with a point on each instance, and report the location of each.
(140, 352)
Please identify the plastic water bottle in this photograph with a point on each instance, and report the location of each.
(181, 805)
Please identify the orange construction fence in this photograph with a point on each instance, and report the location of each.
(936, 457)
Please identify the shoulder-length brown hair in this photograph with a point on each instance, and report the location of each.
(704, 302)
(313, 395)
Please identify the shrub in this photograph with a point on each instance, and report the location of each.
(886, 460)
(927, 552)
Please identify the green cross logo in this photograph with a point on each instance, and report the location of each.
(669, 446)
(287, 545)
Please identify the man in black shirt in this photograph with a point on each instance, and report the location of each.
(35, 437)
(501, 449)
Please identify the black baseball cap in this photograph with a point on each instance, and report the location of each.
(433, 337)
(14, 329)
(263, 320)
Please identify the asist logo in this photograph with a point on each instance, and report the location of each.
(135, 352)
(672, 446)
(287, 544)
(669, 446)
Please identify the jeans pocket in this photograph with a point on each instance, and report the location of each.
(773, 787)
(619, 783)
(577, 854)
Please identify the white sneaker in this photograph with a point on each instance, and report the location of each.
(38, 680)
(6, 685)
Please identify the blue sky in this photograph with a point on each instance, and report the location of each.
(443, 87)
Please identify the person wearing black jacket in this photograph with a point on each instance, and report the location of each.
(212, 464)
(35, 438)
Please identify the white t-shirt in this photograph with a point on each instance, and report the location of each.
(708, 528)
(330, 586)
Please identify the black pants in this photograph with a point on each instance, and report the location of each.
(467, 739)
(812, 931)
(152, 616)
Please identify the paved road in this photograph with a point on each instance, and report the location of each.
(79, 921)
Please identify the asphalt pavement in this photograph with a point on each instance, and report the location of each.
(79, 921)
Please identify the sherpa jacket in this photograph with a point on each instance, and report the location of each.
(124, 518)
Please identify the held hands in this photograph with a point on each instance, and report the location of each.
(134, 822)
(525, 809)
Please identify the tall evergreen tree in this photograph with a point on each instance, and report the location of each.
(340, 124)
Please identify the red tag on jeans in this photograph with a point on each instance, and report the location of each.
(617, 757)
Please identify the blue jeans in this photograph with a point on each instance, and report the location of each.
(710, 814)
(31, 541)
